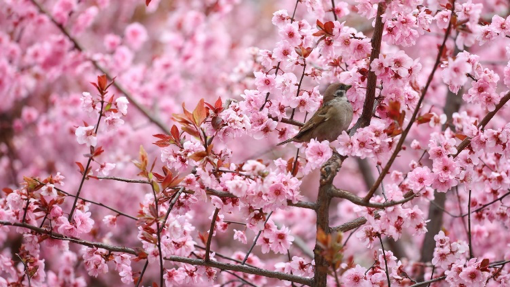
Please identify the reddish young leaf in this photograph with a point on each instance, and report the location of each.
(80, 166)
(319, 25)
(102, 82)
(174, 131)
(164, 140)
(7, 190)
(144, 158)
(198, 156)
(200, 113)
(218, 104)
(460, 136)
(98, 151)
(393, 110)
(328, 27)
(424, 118)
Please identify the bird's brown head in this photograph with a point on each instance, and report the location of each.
(335, 90)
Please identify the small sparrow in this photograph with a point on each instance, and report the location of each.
(330, 120)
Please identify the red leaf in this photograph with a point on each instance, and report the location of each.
(319, 33)
(147, 2)
(393, 110)
(7, 190)
(82, 169)
(328, 27)
(320, 25)
(424, 118)
(460, 136)
(198, 156)
(200, 113)
(165, 140)
(218, 105)
(99, 150)
(102, 82)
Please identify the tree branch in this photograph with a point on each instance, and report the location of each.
(415, 113)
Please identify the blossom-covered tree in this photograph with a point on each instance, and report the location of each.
(138, 143)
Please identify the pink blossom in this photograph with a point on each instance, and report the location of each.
(174, 276)
(82, 221)
(240, 236)
(122, 105)
(280, 18)
(355, 277)
(455, 74)
(443, 18)
(360, 48)
(110, 220)
(290, 33)
(48, 190)
(281, 240)
(501, 25)
(419, 178)
(111, 42)
(85, 20)
(86, 135)
(265, 83)
(94, 261)
(317, 153)
(135, 35)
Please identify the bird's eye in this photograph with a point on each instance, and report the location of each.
(339, 93)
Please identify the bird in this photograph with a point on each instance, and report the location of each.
(332, 118)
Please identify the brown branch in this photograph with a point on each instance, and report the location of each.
(415, 113)
(484, 122)
(287, 121)
(214, 264)
(121, 179)
(243, 268)
(368, 106)
(218, 193)
(353, 224)
(71, 239)
(335, 192)
(209, 238)
(90, 201)
(327, 174)
(80, 48)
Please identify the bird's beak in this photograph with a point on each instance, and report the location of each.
(347, 87)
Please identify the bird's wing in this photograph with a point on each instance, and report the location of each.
(319, 117)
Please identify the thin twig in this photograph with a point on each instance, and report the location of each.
(91, 201)
(89, 161)
(121, 179)
(469, 226)
(256, 238)
(385, 261)
(143, 272)
(174, 200)
(333, 10)
(211, 231)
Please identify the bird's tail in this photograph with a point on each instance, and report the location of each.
(284, 142)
